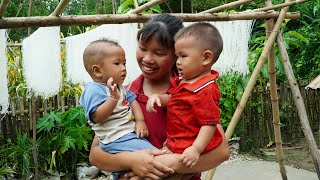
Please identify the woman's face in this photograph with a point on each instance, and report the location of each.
(154, 60)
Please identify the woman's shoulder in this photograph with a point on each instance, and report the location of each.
(136, 85)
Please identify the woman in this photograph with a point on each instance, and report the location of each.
(156, 59)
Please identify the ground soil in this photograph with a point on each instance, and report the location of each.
(296, 154)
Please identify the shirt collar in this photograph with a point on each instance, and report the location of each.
(199, 83)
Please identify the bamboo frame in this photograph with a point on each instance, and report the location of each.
(236, 116)
(34, 135)
(274, 99)
(135, 3)
(45, 21)
(145, 6)
(302, 113)
(60, 8)
(3, 7)
(279, 5)
(226, 6)
(235, 119)
(133, 17)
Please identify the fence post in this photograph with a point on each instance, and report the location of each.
(34, 135)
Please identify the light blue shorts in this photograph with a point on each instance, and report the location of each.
(128, 142)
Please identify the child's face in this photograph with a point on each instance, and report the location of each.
(190, 58)
(114, 65)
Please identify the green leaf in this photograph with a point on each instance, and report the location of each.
(299, 36)
(124, 6)
(67, 143)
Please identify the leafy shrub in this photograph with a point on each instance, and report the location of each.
(62, 142)
(68, 136)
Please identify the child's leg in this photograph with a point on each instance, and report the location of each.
(128, 142)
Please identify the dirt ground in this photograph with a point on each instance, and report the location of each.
(296, 154)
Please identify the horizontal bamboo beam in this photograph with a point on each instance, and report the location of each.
(146, 6)
(60, 8)
(3, 7)
(279, 5)
(226, 6)
(46, 21)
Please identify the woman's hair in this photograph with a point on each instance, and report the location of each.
(161, 28)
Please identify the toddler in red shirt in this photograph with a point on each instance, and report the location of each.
(194, 97)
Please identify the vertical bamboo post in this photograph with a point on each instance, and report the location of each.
(62, 104)
(235, 118)
(34, 135)
(29, 14)
(77, 100)
(302, 113)
(21, 112)
(45, 107)
(274, 100)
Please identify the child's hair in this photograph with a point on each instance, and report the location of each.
(208, 36)
(161, 28)
(94, 52)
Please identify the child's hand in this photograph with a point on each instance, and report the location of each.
(152, 100)
(114, 92)
(190, 156)
(141, 129)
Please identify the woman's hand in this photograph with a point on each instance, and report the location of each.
(144, 165)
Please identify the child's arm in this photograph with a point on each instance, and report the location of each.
(190, 156)
(141, 127)
(105, 109)
(160, 99)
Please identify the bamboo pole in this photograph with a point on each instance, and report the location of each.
(226, 6)
(60, 8)
(45, 21)
(274, 99)
(29, 14)
(235, 119)
(146, 6)
(302, 113)
(34, 135)
(3, 7)
(236, 116)
(279, 5)
(135, 3)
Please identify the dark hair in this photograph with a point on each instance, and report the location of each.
(208, 36)
(161, 28)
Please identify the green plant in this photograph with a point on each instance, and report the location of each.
(17, 156)
(127, 5)
(68, 136)
(231, 87)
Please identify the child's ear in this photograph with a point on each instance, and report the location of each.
(208, 56)
(96, 71)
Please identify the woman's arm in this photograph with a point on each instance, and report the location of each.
(206, 161)
(140, 162)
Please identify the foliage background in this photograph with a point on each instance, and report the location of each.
(60, 145)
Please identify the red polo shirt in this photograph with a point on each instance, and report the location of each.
(156, 122)
(191, 106)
